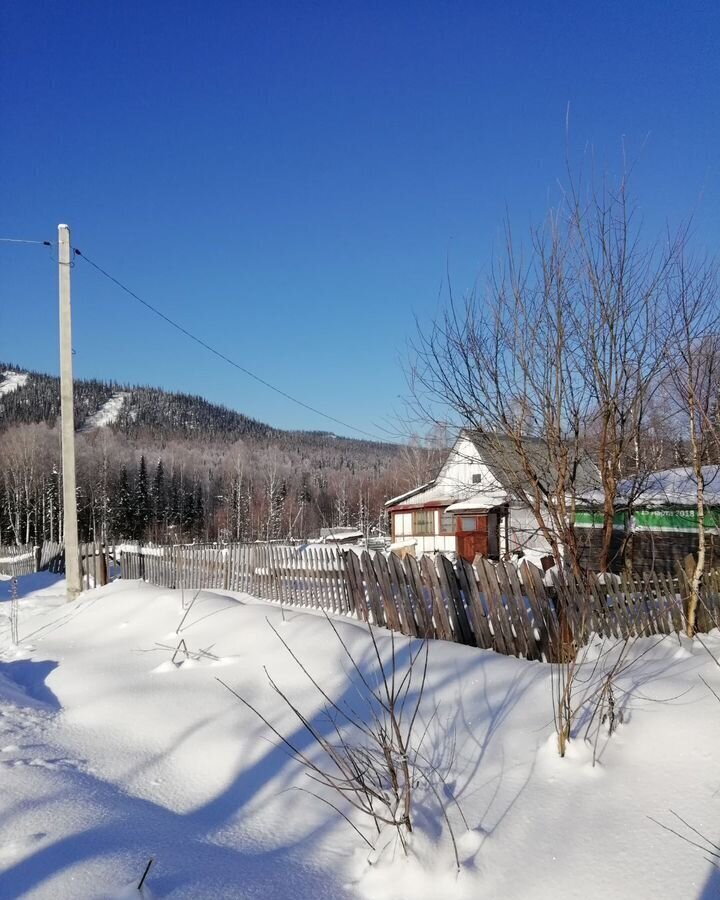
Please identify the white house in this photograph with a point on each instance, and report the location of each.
(470, 507)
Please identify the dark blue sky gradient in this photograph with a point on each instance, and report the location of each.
(292, 181)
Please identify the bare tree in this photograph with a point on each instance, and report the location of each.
(621, 326)
(422, 457)
(25, 450)
(694, 372)
(554, 362)
(369, 751)
(504, 362)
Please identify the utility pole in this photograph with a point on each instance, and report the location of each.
(67, 414)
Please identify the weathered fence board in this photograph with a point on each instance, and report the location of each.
(513, 610)
(15, 561)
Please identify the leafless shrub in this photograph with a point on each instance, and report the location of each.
(604, 698)
(203, 654)
(710, 849)
(587, 688)
(371, 757)
(187, 609)
(563, 675)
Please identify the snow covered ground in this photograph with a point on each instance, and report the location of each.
(107, 413)
(111, 754)
(11, 381)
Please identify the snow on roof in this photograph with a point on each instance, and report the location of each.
(482, 500)
(402, 544)
(423, 496)
(408, 494)
(674, 487)
(341, 533)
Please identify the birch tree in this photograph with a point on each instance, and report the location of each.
(694, 372)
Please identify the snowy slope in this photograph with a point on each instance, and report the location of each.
(107, 413)
(12, 381)
(110, 754)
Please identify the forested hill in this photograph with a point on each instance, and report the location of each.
(140, 409)
(156, 465)
(147, 412)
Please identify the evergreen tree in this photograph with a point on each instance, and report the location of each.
(121, 511)
(278, 495)
(159, 507)
(363, 515)
(240, 497)
(187, 506)
(305, 491)
(175, 500)
(141, 502)
(198, 510)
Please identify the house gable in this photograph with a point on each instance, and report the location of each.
(464, 473)
(423, 516)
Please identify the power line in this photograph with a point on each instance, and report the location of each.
(23, 241)
(221, 355)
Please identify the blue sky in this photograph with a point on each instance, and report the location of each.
(292, 181)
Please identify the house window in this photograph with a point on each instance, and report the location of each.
(447, 522)
(476, 479)
(467, 523)
(423, 521)
(398, 521)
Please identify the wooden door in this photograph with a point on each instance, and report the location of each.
(472, 537)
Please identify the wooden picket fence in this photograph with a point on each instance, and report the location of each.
(308, 576)
(97, 561)
(493, 605)
(18, 560)
(98, 564)
(514, 610)
(52, 557)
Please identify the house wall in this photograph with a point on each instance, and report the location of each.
(456, 480)
(524, 535)
(435, 543)
(457, 473)
(446, 543)
(664, 551)
(425, 543)
(648, 548)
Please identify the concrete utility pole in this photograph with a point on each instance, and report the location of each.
(67, 413)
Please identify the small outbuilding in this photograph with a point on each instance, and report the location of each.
(659, 517)
(473, 504)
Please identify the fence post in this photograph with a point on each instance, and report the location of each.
(227, 559)
(38, 558)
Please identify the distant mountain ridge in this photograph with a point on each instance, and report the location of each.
(162, 466)
(27, 396)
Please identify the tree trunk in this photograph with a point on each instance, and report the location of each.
(696, 580)
(694, 598)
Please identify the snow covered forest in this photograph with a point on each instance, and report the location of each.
(153, 464)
